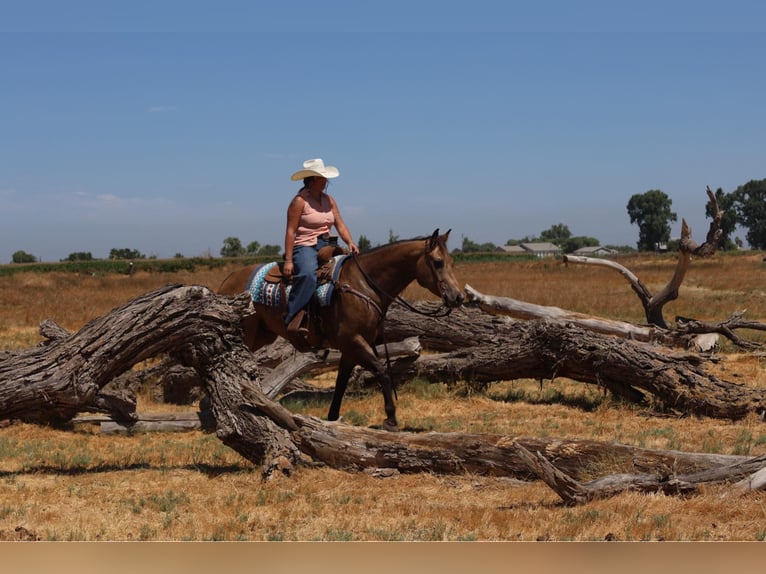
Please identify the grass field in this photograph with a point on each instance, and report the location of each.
(82, 486)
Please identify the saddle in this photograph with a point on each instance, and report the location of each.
(310, 336)
(324, 270)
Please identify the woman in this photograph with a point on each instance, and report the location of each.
(310, 216)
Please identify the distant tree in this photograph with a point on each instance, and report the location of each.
(557, 234)
(651, 212)
(271, 250)
(178, 256)
(232, 247)
(473, 247)
(252, 248)
(572, 244)
(23, 257)
(125, 253)
(728, 220)
(80, 256)
(749, 201)
(363, 244)
(527, 239)
(391, 237)
(560, 235)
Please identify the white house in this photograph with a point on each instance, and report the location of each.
(538, 249)
(597, 251)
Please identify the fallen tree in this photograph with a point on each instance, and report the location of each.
(501, 349)
(200, 330)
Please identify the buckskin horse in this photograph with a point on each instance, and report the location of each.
(352, 320)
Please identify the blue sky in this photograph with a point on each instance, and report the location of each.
(168, 126)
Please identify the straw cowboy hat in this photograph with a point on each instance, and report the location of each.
(315, 167)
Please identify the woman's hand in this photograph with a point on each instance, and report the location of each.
(287, 269)
(353, 248)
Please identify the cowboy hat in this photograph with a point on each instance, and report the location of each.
(315, 167)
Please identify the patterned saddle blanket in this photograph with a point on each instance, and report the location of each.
(264, 289)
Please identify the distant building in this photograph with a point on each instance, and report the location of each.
(597, 251)
(537, 249)
(513, 249)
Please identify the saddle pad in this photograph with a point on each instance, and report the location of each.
(270, 294)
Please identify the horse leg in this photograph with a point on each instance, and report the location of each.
(344, 373)
(250, 328)
(255, 336)
(345, 366)
(387, 388)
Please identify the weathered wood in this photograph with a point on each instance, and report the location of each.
(202, 330)
(756, 481)
(522, 310)
(114, 427)
(463, 328)
(142, 417)
(636, 371)
(176, 384)
(574, 492)
(726, 328)
(67, 374)
(653, 304)
(355, 448)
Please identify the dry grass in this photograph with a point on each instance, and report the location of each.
(79, 485)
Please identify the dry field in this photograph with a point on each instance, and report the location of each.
(81, 486)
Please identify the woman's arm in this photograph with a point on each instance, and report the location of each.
(340, 225)
(294, 211)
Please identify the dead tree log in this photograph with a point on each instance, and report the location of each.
(689, 336)
(202, 330)
(726, 328)
(653, 304)
(51, 384)
(507, 350)
(636, 371)
(527, 311)
(544, 349)
(573, 491)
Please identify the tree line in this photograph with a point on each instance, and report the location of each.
(744, 207)
(650, 211)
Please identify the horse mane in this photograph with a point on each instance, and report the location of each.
(397, 242)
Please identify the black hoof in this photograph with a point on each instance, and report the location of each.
(390, 426)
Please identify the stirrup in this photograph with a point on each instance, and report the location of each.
(294, 327)
(297, 334)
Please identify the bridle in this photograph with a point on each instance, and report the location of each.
(432, 266)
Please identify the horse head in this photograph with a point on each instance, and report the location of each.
(439, 276)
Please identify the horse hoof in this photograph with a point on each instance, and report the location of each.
(390, 426)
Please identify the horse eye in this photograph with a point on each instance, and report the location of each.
(438, 263)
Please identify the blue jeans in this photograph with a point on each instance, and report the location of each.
(304, 277)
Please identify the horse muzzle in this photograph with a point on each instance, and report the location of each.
(452, 298)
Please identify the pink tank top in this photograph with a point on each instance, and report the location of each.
(316, 219)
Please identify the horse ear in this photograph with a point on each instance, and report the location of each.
(442, 238)
(434, 239)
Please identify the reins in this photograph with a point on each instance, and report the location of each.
(394, 299)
